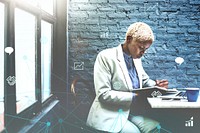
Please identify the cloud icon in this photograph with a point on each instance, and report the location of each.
(179, 60)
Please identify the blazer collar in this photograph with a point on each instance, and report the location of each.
(120, 58)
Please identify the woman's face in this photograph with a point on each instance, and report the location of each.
(137, 49)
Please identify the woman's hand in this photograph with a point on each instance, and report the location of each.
(162, 83)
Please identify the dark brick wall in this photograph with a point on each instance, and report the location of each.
(94, 25)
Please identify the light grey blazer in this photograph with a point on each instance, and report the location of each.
(113, 87)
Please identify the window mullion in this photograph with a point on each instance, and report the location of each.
(38, 63)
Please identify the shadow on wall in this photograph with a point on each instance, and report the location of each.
(80, 100)
(87, 94)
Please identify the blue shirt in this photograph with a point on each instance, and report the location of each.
(131, 71)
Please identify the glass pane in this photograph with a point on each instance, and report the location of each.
(25, 34)
(46, 44)
(32, 2)
(47, 5)
(1, 66)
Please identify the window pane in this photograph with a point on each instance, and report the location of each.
(46, 45)
(25, 34)
(1, 66)
(32, 2)
(47, 5)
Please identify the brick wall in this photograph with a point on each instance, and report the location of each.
(95, 25)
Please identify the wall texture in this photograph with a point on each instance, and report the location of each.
(95, 25)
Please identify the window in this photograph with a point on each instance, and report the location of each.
(46, 42)
(32, 2)
(25, 44)
(1, 66)
(31, 33)
(47, 5)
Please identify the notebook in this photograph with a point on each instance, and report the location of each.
(154, 91)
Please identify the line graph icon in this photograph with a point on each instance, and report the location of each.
(78, 65)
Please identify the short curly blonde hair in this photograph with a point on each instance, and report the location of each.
(140, 32)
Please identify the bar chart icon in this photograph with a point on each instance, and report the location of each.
(189, 123)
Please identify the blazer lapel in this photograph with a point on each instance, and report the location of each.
(122, 64)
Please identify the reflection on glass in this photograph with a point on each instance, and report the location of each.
(1, 66)
(32, 2)
(25, 34)
(47, 5)
(46, 43)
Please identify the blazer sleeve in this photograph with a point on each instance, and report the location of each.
(103, 69)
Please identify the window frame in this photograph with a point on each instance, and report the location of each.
(2, 125)
(12, 118)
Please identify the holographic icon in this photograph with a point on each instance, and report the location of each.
(9, 50)
(25, 57)
(60, 121)
(11, 80)
(44, 40)
(78, 65)
(48, 124)
(156, 93)
(179, 60)
(189, 123)
(117, 85)
(120, 110)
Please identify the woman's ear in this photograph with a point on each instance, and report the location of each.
(129, 38)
